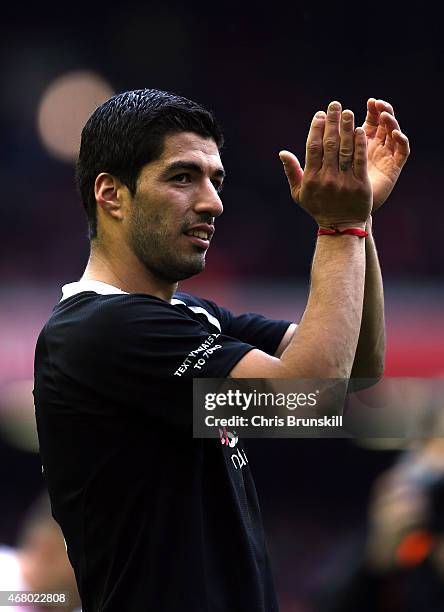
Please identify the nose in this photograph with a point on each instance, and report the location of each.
(209, 201)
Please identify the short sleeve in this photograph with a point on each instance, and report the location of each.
(146, 336)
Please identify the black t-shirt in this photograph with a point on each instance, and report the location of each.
(154, 520)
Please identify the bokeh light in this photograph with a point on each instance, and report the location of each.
(64, 108)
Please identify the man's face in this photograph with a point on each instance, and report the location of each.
(177, 195)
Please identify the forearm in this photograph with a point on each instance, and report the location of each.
(369, 358)
(325, 341)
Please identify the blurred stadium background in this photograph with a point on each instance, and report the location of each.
(264, 71)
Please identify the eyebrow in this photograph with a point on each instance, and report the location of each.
(187, 165)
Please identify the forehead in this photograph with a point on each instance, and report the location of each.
(191, 147)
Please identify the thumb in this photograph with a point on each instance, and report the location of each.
(292, 169)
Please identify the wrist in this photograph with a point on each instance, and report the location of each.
(346, 231)
(340, 223)
(343, 225)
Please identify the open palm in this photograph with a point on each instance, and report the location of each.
(388, 149)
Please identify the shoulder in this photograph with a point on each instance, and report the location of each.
(192, 300)
(198, 305)
(88, 315)
(113, 305)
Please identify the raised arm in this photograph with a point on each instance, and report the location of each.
(387, 151)
(325, 341)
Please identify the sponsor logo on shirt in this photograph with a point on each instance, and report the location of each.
(227, 437)
(230, 439)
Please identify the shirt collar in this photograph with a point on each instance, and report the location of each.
(89, 285)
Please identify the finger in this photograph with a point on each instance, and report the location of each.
(402, 147)
(388, 123)
(293, 170)
(382, 106)
(314, 150)
(331, 137)
(385, 109)
(360, 154)
(346, 147)
(371, 122)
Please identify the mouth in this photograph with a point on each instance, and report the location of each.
(201, 235)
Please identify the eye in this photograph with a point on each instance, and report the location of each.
(184, 177)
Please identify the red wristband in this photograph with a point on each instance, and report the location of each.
(352, 231)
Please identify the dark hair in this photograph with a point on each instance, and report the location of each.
(128, 131)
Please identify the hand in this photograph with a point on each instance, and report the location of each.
(334, 187)
(388, 149)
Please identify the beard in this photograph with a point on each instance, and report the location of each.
(156, 246)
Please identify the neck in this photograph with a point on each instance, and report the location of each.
(126, 272)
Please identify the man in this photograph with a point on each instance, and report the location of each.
(153, 519)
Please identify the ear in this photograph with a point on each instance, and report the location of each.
(110, 196)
